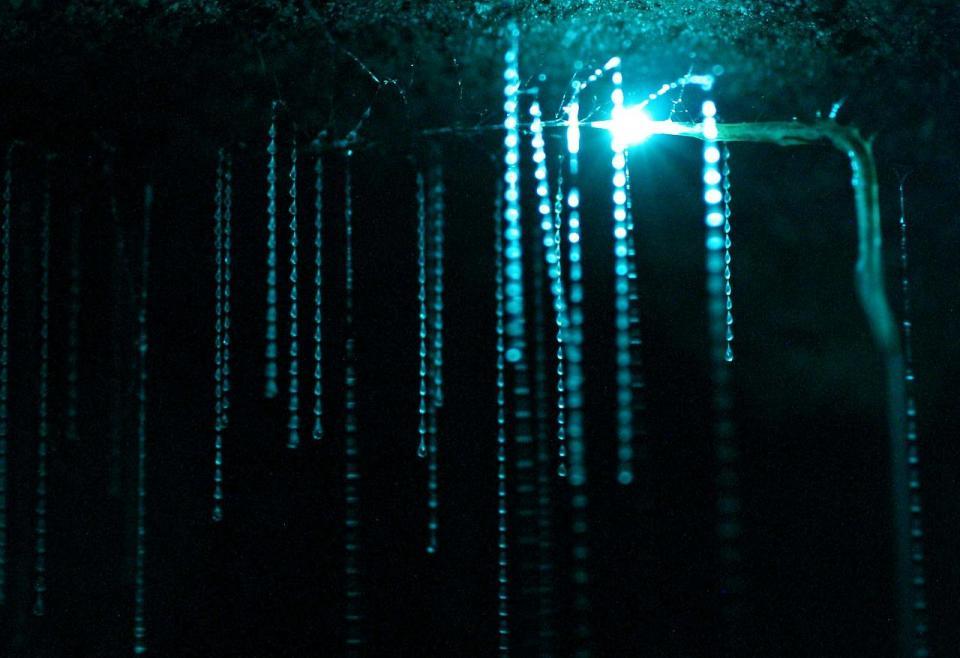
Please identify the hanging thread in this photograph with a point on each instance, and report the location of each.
(40, 565)
(503, 580)
(218, 360)
(918, 579)
(622, 289)
(436, 369)
(139, 617)
(727, 244)
(271, 368)
(352, 471)
(5, 361)
(318, 304)
(574, 384)
(727, 453)
(293, 424)
(422, 313)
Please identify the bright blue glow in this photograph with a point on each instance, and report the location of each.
(139, 615)
(293, 424)
(622, 299)
(574, 385)
(5, 361)
(318, 303)
(40, 530)
(271, 388)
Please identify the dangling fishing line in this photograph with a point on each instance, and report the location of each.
(422, 314)
(352, 470)
(727, 244)
(218, 421)
(503, 580)
(436, 367)
(318, 304)
(574, 387)
(913, 457)
(271, 369)
(5, 361)
(728, 501)
(40, 565)
(73, 331)
(293, 425)
(622, 288)
(139, 623)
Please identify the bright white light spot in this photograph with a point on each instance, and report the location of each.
(713, 195)
(619, 179)
(711, 154)
(573, 127)
(709, 109)
(611, 63)
(630, 125)
(619, 197)
(712, 177)
(573, 200)
(618, 78)
(715, 219)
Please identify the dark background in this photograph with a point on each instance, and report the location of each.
(125, 93)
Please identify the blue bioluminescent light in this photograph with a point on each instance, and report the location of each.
(550, 219)
(918, 580)
(436, 370)
(40, 564)
(71, 432)
(503, 578)
(622, 297)
(560, 309)
(318, 303)
(293, 404)
(218, 393)
(512, 233)
(6, 219)
(139, 615)
(422, 314)
(574, 384)
(727, 245)
(271, 368)
(353, 616)
(728, 501)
